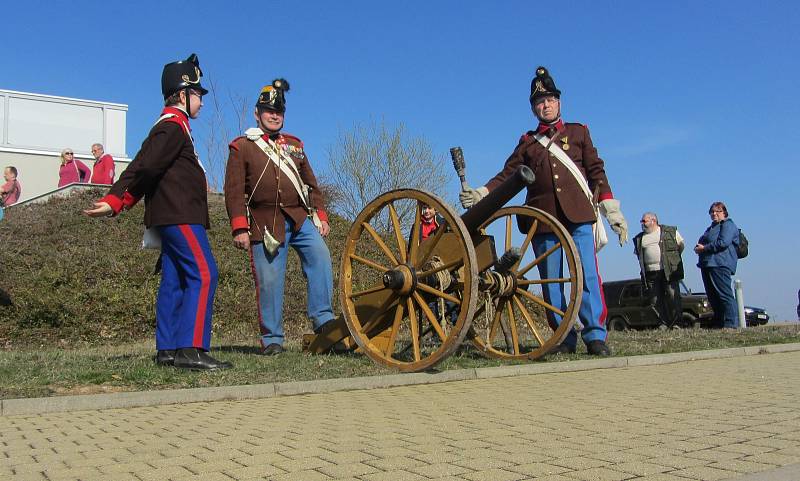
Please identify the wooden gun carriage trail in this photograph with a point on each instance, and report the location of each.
(409, 303)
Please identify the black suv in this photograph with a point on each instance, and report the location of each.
(628, 308)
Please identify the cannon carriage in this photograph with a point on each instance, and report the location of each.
(409, 303)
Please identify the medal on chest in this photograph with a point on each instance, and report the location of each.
(566, 144)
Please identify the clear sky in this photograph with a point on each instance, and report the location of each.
(688, 102)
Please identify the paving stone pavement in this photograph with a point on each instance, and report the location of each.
(702, 420)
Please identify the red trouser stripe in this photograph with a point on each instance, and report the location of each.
(258, 295)
(205, 283)
(604, 312)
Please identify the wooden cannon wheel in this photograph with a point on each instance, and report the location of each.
(392, 282)
(512, 317)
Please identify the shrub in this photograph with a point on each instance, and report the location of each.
(74, 279)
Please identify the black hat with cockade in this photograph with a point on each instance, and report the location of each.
(184, 74)
(543, 85)
(272, 97)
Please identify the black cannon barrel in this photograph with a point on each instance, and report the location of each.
(497, 198)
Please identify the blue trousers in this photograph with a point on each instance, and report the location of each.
(269, 273)
(717, 281)
(188, 283)
(592, 312)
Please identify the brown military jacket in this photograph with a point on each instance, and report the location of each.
(275, 199)
(167, 173)
(555, 190)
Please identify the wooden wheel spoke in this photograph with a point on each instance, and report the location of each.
(528, 237)
(509, 219)
(412, 319)
(430, 316)
(450, 266)
(375, 288)
(498, 313)
(541, 302)
(539, 259)
(529, 320)
(438, 293)
(398, 319)
(380, 243)
(555, 280)
(369, 263)
(428, 246)
(416, 237)
(398, 232)
(513, 325)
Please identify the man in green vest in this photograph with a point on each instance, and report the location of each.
(659, 248)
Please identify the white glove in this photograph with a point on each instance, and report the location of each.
(610, 210)
(471, 197)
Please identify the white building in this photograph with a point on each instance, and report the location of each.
(35, 128)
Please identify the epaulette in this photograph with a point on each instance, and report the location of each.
(174, 119)
(526, 136)
(233, 142)
(291, 139)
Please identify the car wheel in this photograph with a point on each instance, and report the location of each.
(617, 324)
(689, 320)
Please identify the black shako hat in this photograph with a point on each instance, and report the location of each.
(184, 74)
(543, 85)
(273, 97)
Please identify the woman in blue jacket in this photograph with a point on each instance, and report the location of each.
(717, 251)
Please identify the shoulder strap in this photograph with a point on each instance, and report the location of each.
(566, 161)
(278, 156)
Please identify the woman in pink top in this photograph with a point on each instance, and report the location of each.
(11, 190)
(72, 170)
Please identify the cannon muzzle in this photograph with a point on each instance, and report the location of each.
(497, 198)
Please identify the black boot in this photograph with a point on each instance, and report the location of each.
(197, 359)
(597, 348)
(165, 357)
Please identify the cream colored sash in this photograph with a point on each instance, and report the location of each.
(286, 164)
(599, 229)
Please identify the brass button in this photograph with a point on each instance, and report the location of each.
(552, 155)
(555, 177)
(554, 165)
(558, 189)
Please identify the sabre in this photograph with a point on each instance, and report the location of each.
(458, 163)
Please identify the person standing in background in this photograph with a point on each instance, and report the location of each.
(72, 170)
(103, 168)
(717, 259)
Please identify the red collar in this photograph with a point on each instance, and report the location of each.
(543, 128)
(178, 112)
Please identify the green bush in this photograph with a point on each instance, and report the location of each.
(78, 280)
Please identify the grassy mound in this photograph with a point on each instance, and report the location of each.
(76, 280)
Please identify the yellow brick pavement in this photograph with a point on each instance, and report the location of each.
(701, 420)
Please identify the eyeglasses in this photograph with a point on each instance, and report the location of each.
(716, 212)
(68, 153)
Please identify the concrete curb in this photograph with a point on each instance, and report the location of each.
(16, 407)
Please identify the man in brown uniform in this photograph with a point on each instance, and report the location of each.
(273, 202)
(568, 172)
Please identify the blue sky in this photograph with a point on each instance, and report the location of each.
(687, 102)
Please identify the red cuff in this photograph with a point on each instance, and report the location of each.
(605, 196)
(114, 201)
(239, 223)
(323, 216)
(128, 201)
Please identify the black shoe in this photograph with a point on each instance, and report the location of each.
(597, 348)
(562, 349)
(272, 350)
(165, 357)
(197, 359)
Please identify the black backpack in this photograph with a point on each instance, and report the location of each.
(741, 246)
